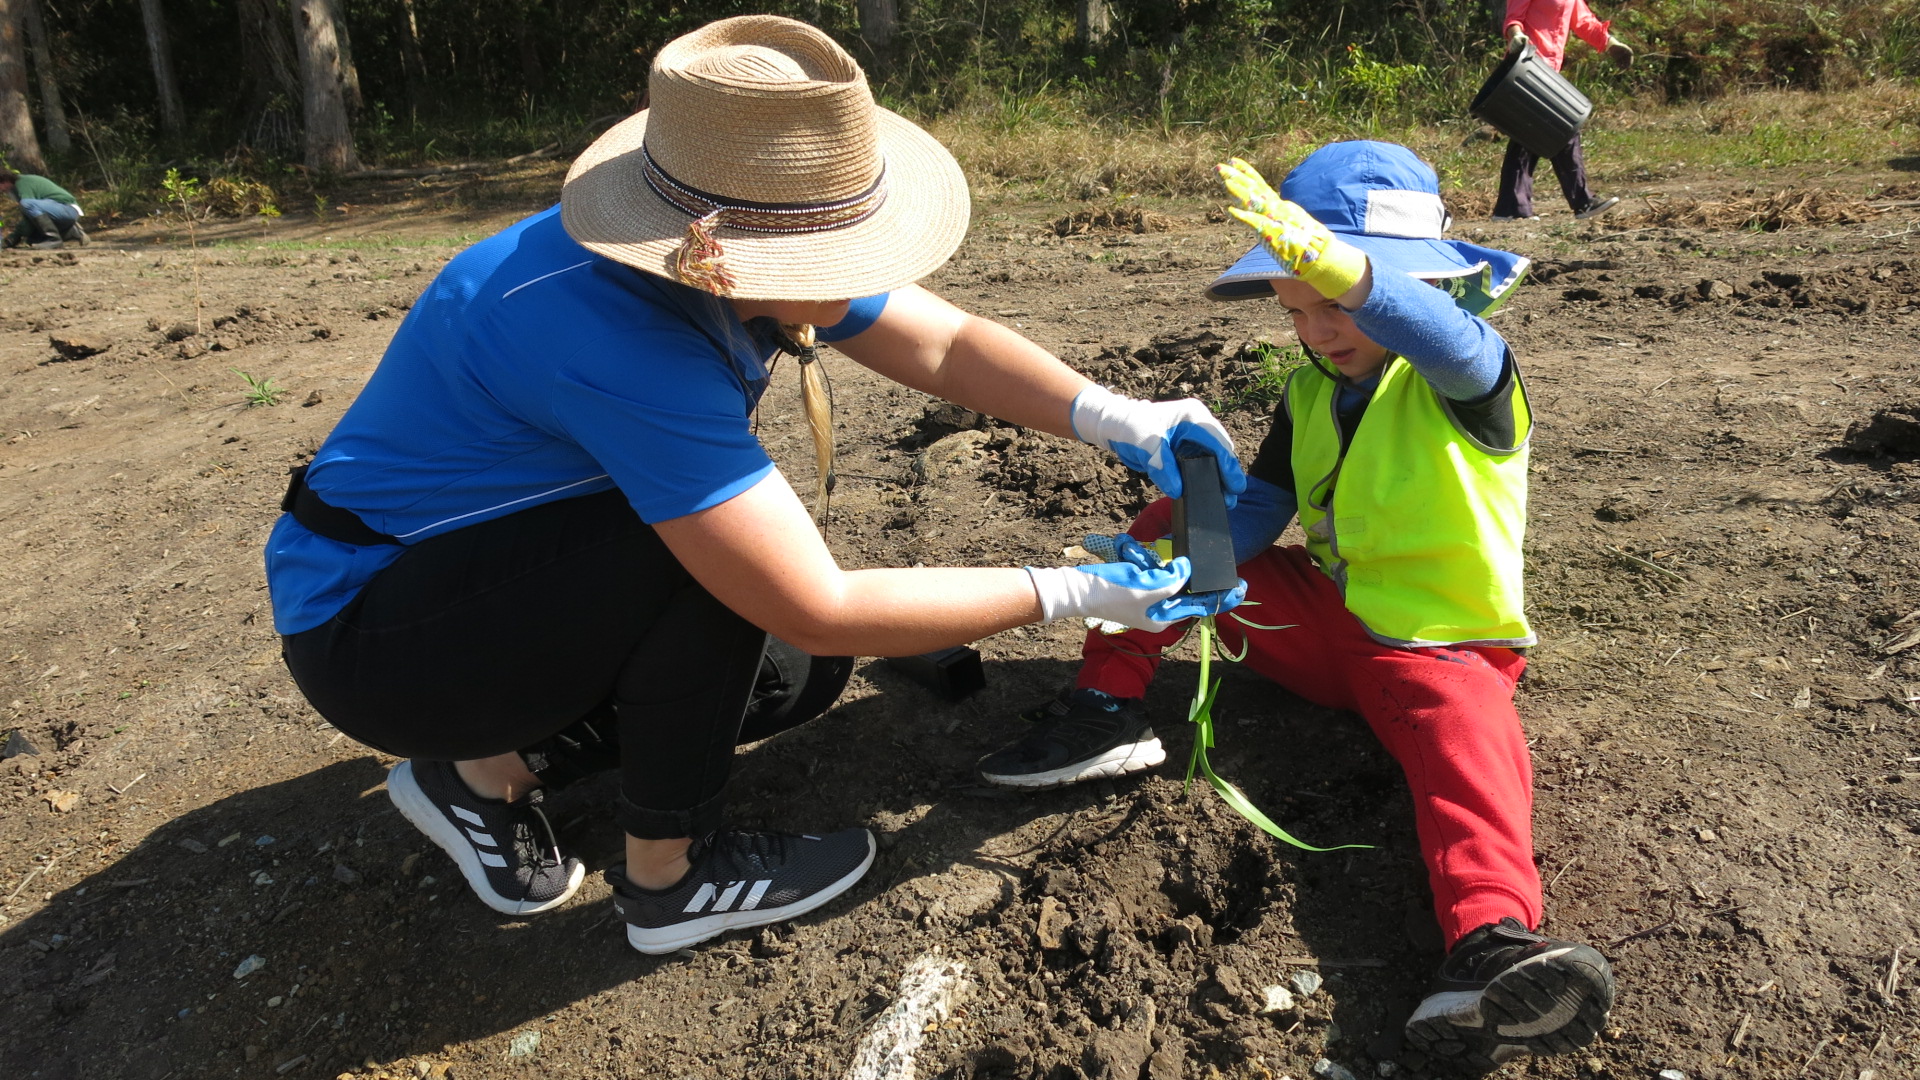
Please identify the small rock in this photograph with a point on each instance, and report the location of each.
(1053, 923)
(1708, 836)
(189, 349)
(179, 331)
(261, 877)
(1276, 999)
(1328, 1069)
(1387, 1068)
(1713, 289)
(251, 1052)
(263, 841)
(524, 1044)
(194, 846)
(313, 398)
(1305, 983)
(1672, 1074)
(78, 346)
(408, 864)
(274, 1001)
(345, 875)
(18, 744)
(250, 965)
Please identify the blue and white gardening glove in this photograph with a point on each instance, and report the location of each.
(1125, 592)
(1173, 609)
(1145, 434)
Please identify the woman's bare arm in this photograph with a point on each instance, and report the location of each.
(924, 342)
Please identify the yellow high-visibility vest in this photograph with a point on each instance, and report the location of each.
(1417, 522)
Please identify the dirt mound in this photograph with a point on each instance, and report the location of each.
(1112, 219)
(1891, 432)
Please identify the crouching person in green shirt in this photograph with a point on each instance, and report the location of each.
(49, 214)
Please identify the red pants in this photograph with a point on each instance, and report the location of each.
(1445, 714)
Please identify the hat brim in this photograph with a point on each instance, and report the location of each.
(608, 208)
(1486, 275)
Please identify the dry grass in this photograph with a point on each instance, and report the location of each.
(1112, 219)
(1869, 126)
(1765, 211)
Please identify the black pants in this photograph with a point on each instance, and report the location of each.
(1516, 179)
(490, 638)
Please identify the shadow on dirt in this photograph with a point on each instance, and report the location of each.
(307, 918)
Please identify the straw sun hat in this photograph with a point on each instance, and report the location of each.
(763, 169)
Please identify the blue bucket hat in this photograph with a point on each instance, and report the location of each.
(1381, 198)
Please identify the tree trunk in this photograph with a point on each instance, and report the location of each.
(1093, 23)
(530, 70)
(349, 71)
(52, 110)
(273, 77)
(329, 138)
(412, 60)
(173, 115)
(879, 21)
(16, 119)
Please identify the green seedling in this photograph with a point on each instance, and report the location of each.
(260, 391)
(1200, 714)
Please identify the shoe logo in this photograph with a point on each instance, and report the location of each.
(723, 899)
(484, 844)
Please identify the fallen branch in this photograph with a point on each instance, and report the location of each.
(436, 170)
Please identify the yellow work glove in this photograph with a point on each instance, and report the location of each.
(1307, 249)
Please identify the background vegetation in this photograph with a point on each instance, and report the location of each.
(1022, 96)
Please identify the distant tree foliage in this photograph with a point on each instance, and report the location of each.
(412, 65)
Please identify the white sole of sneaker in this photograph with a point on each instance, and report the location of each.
(666, 939)
(1118, 761)
(414, 805)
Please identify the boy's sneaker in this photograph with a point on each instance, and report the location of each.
(1504, 991)
(506, 849)
(1598, 207)
(74, 234)
(740, 879)
(1080, 735)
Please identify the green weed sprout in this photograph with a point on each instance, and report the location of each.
(260, 391)
(1200, 714)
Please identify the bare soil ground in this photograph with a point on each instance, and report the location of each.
(1724, 710)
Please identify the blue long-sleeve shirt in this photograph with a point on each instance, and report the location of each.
(1460, 355)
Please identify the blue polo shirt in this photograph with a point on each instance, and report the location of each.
(532, 370)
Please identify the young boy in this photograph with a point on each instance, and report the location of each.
(1403, 448)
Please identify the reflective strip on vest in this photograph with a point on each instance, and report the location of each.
(1422, 531)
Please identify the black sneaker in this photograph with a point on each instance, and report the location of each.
(740, 879)
(1598, 207)
(506, 849)
(1080, 735)
(1504, 991)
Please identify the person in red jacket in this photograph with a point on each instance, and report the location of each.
(1547, 24)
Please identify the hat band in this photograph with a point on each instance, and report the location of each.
(765, 217)
(701, 261)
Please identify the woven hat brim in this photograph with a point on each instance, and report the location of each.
(607, 207)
